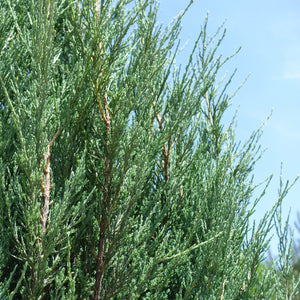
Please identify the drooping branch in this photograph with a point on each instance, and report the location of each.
(46, 184)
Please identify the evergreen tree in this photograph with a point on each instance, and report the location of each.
(118, 177)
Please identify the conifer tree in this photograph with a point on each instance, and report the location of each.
(118, 177)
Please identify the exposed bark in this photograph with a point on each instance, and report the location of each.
(166, 162)
(46, 185)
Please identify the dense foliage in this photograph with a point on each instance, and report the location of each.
(118, 177)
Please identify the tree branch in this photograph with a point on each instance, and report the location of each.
(46, 184)
(104, 222)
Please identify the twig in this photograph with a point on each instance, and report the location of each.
(194, 247)
(223, 290)
(209, 110)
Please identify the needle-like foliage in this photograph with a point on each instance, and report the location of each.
(118, 177)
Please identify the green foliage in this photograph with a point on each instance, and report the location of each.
(118, 177)
(292, 268)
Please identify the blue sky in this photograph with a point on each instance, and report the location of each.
(269, 33)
